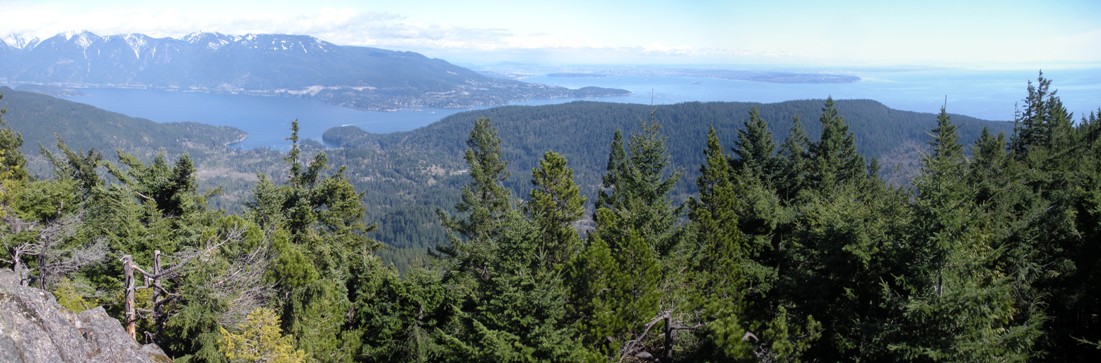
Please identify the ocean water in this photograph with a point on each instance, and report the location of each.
(990, 95)
(267, 120)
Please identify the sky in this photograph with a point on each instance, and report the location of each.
(1008, 34)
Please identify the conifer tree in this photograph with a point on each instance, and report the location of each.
(755, 147)
(793, 161)
(954, 267)
(484, 203)
(614, 174)
(12, 161)
(315, 222)
(555, 204)
(636, 221)
(718, 256)
(834, 159)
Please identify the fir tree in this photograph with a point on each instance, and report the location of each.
(718, 256)
(755, 147)
(793, 161)
(960, 308)
(555, 204)
(484, 203)
(834, 159)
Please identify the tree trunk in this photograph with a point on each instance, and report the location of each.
(20, 270)
(131, 316)
(158, 295)
(668, 338)
(42, 263)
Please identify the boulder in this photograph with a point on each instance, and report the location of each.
(35, 328)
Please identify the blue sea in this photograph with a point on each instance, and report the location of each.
(990, 95)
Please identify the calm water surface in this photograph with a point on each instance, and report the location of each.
(989, 95)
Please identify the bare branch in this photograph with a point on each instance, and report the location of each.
(631, 348)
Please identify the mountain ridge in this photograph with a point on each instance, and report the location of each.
(266, 65)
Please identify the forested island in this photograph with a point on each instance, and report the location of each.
(784, 246)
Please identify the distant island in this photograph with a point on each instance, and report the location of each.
(770, 76)
(576, 75)
(263, 65)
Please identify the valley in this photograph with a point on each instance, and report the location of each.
(567, 181)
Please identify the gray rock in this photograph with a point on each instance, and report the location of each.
(35, 328)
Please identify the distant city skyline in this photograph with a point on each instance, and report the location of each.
(975, 34)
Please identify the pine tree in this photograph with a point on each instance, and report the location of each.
(260, 340)
(1048, 241)
(316, 224)
(636, 221)
(614, 175)
(641, 198)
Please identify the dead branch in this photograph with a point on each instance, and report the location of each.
(631, 347)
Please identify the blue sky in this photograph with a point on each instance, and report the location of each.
(959, 33)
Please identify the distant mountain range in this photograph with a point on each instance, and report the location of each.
(263, 64)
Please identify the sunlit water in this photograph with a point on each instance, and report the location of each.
(988, 95)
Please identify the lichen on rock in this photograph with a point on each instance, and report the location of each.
(35, 328)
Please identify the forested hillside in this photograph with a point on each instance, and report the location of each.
(786, 249)
(42, 119)
(411, 174)
(95, 133)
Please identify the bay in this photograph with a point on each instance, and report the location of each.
(267, 120)
(991, 95)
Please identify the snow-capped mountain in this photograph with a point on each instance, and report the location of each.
(262, 64)
(19, 41)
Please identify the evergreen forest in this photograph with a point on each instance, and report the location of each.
(770, 246)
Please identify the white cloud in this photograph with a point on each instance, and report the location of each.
(565, 32)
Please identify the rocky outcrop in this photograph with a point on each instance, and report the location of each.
(35, 328)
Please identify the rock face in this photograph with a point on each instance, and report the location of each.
(35, 328)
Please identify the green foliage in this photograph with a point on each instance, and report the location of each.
(259, 340)
(957, 305)
(68, 293)
(800, 254)
(719, 257)
(555, 203)
(12, 162)
(755, 146)
(834, 160)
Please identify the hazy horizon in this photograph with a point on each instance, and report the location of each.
(953, 34)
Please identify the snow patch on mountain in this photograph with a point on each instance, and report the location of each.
(20, 41)
(84, 39)
(137, 43)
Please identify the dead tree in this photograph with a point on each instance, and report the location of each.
(42, 242)
(633, 348)
(243, 280)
